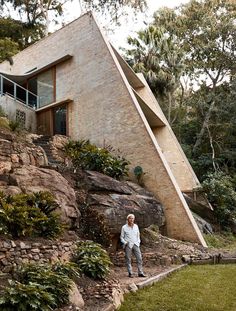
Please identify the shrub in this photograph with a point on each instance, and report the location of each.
(70, 269)
(220, 189)
(4, 123)
(92, 260)
(29, 215)
(14, 126)
(89, 157)
(40, 287)
(55, 282)
(138, 172)
(25, 297)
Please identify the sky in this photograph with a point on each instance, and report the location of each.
(118, 35)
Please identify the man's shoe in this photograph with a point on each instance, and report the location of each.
(142, 275)
(130, 275)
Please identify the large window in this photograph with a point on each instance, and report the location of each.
(44, 86)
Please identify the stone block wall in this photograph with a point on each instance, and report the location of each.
(14, 253)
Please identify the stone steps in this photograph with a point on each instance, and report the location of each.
(44, 142)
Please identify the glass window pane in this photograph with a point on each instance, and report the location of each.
(45, 88)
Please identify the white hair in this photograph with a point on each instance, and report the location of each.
(130, 215)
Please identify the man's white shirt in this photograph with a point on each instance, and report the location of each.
(130, 235)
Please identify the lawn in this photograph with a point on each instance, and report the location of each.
(195, 288)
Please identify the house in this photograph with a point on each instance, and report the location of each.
(75, 83)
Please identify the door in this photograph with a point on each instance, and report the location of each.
(44, 122)
(60, 120)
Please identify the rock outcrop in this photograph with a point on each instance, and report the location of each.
(33, 179)
(106, 202)
(23, 168)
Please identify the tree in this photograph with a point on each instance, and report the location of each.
(7, 49)
(157, 54)
(114, 7)
(36, 12)
(34, 19)
(208, 31)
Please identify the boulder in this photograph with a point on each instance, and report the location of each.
(75, 297)
(33, 179)
(107, 202)
(203, 225)
(99, 182)
(115, 208)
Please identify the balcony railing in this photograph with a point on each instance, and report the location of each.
(18, 92)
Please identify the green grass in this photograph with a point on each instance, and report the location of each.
(196, 288)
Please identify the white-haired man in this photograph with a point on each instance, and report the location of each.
(130, 238)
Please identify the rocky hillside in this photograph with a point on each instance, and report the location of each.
(102, 201)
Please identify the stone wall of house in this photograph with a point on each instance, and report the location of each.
(14, 253)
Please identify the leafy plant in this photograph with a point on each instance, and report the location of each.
(39, 287)
(220, 189)
(89, 157)
(14, 125)
(25, 297)
(29, 215)
(92, 259)
(138, 172)
(55, 281)
(70, 269)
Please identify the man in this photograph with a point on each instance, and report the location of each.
(130, 238)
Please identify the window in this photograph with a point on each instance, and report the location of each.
(20, 117)
(44, 86)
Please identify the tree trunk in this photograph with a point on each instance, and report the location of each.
(204, 127)
(169, 106)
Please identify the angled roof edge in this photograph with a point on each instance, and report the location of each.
(133, 79)
(35, 71)
(153, 119)
(52, 34)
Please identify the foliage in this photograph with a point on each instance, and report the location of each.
(94, 225)
(40, 287)
(29, 215)
(89, 157)
(32, 19)
(115, 8)
(7, 48)
(173, 293)
(15, 126)
(25, 297)
(224, 240)
(159, 56)
(54, 279)
(188, 56)
(138, 172)
(70, 269)
(220, 189)
(92, 259)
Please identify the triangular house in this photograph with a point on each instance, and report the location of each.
(75, 83)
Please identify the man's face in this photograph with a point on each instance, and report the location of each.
(131, 221)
